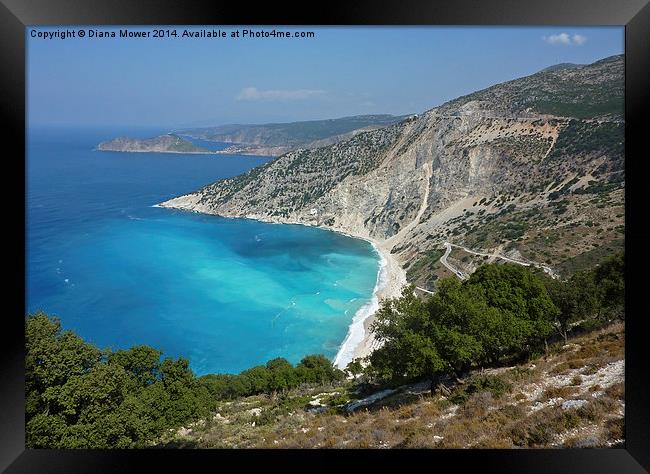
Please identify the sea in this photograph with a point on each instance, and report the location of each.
(226, 294)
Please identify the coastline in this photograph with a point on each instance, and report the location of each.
(210, 152)
(168, 151)
(359, 341)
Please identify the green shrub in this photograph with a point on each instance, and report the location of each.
(483, 383)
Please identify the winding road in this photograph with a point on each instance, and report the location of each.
(463, 275)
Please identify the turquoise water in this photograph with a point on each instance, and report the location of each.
(225, 293)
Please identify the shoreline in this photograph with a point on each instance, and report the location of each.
(359, 341)
(154, 151)
(391, 278)
(210, 152)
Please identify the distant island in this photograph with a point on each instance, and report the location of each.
(168, 143)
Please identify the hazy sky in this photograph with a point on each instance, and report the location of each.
(178, 82)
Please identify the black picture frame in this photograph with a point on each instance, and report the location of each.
(16, 15)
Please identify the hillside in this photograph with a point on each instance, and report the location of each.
(168, 143)
(593, 91)
(574, 397)
(274, 139)
(531, 168)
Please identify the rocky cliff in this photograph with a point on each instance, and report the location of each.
(508, 167)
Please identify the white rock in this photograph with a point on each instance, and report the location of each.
(569, 404)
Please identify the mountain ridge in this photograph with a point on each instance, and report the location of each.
(493, 169)
(276, 139)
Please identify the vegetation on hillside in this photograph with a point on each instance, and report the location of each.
(502, 310)
(581, 91)
(424, 267)
(78, 396)
(579, 138)
(573, 396)
(305, 174)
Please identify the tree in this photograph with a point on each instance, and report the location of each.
(408, 351)
(219, 386)
(317, 369)
(453, 311)
(283, 375)
(259, 378)
(53, 356)
(81, 397)
(575, 298)
(354, 368)
(87, 402)
(500, 310)
(141, 361)
(609, 278)
(521, 311)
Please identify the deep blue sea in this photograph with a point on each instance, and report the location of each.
(227, 294)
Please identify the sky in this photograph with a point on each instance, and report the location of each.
(187, 81)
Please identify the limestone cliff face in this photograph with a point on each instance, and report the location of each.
(410, 184)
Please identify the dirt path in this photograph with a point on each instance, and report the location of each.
(426, 291)
(553, 141)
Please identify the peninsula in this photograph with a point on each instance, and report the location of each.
(168, 143)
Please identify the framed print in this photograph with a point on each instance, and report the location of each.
(363, 235)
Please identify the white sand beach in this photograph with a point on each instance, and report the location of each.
(391, 287)
(360, 340)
